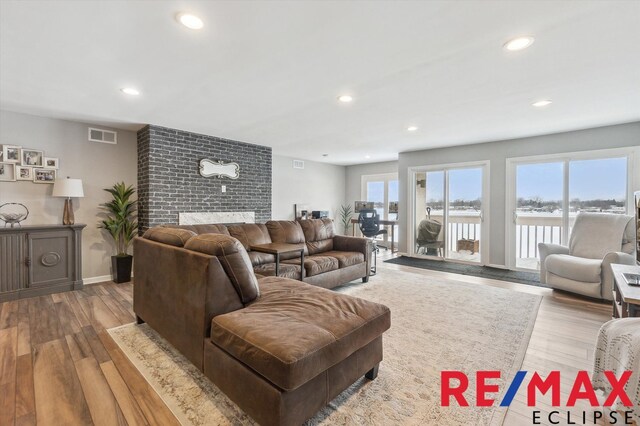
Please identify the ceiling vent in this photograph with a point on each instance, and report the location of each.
(298, 164)
(104, 136)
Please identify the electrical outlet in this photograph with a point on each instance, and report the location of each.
(224, 188)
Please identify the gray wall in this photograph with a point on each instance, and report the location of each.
(98, 165)
(624, 135)
(169, 181)
(320, 186)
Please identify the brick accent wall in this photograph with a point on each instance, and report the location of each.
(169, 180)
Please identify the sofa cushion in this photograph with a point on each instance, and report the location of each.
(318, 234)
(295, 331)
(286, 270)
(316, 264)
(574, 268)
(346, 258)
(233, 258)
(286, 231)
(252, 234)
(172, 236)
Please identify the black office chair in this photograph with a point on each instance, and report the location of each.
(369, 223)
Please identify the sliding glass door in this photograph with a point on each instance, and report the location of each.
(539, 213)
(547, 194)
(447, 217)
(464, 214)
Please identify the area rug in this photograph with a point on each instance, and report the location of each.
(436, 325)
(530, 278)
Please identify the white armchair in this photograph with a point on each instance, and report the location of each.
(584, 267)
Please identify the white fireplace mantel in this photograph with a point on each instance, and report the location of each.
(198, 218)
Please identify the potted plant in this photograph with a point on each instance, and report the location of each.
(345, 217)
(122, 224)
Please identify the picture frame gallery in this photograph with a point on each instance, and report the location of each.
(27, 164)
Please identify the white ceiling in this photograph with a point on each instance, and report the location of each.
(269, 72)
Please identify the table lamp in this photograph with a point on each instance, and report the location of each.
(68, 188)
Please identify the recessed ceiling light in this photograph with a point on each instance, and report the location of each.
(325, 155)
(412, 129)
(542, 103)
(345, 98)
(519, 43)
(190, 21)
(367, 156)
(130, 91)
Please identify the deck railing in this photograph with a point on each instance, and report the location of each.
(531, 229)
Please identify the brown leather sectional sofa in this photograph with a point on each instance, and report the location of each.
(279, 348)
(330, 259)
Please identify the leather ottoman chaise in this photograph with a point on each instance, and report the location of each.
(279, 348)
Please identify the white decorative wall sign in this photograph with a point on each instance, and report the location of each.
(219, 169)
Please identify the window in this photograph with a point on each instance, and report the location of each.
(550, 191)
(382, 190)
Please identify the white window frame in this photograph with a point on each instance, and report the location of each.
(381, 177)
(385, 178)
(510, 186)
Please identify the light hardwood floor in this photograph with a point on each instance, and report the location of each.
(58, 365)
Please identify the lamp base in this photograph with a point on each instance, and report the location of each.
(67, 217)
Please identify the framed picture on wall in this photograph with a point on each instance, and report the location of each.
(24, 173)
(11, 153)
(7, 172)
(44, 175)
(51, 163)
(32, 157)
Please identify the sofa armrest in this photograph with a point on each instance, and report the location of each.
(178, 291)
(607, 274)
(545, 250)
(345, 243)
(357, 244)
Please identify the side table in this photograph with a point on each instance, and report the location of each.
(278, 249)
(626, 298)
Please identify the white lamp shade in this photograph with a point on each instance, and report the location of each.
(68, 188)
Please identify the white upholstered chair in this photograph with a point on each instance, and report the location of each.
(584, 267)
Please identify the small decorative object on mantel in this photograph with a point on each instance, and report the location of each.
(122, 224)
(67, 188)
(11, 214)
(219, 169)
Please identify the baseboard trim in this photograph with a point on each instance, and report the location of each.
(96, 280)
(99, 279)
(491, 265)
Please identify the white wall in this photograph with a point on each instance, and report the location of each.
(623, 135)
(320, 186)
(98, 165)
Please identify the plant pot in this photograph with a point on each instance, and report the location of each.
(121, 268)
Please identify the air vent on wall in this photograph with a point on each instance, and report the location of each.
(298, 164)
(104, 136)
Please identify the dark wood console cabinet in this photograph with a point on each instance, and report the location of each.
(37, 260)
